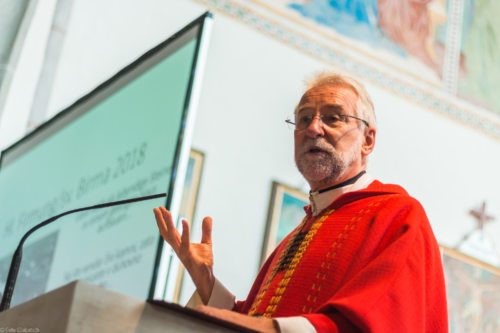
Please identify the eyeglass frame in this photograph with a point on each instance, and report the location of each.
(320, 116)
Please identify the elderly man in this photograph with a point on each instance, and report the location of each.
(363, 259)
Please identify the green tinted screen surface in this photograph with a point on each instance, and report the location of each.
(122, 146)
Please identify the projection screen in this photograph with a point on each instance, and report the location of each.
(129, 137)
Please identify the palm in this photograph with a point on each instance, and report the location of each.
(198, 254)
(196, 257)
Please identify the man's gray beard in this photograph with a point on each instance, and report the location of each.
(326, 167)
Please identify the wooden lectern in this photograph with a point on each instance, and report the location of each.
(81, 307)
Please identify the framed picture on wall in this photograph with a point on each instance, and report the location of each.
(188, 203)
(286, 210)
(473, 293)
(191, 184)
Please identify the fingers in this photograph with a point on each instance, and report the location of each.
(168, 218)
(160, 222)
(205, 309)
(200, 307)
(210, 310)
(185, 236)
(167, 228)
(180, 242)
(206, 230)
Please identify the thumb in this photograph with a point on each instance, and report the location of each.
(206, 230)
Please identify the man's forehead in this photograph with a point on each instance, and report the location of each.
(329, 94)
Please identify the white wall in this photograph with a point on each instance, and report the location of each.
(251, 84)
(21, 89)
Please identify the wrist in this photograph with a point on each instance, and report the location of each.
(204, 285)
(208, 288)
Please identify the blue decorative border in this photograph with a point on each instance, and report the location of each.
(464, 115)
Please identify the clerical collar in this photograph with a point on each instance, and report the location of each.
(344, 183)
(321, 199)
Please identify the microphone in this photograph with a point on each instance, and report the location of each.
(16, 259)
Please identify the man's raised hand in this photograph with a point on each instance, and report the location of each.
(196, 257)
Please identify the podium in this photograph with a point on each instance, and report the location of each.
(82, 307)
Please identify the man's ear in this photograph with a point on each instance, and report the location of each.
(368, 141)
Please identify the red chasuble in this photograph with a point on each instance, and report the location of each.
(367, 263)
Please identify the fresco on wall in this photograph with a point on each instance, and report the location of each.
(412, 37)
(355, 19)
(406, 28)
(408, 34)
(473, 293)
(480, 80)
(412, 48)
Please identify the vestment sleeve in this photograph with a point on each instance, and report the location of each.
(396, 285)
(295, 324)
(223, 299)
(219, 298)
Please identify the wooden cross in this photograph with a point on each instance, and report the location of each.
(481, 219)
(480, 216)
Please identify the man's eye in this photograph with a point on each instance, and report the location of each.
(330, 119)
(304, 119)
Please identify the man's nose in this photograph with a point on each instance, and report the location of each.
(315, 128)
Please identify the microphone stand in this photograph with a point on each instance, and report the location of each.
(16, 259)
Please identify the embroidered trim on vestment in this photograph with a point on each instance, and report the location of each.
(280, 290)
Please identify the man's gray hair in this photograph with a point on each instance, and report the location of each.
(364, 105)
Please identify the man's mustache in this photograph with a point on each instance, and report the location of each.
(318, 144)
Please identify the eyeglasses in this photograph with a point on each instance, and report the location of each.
(304, 119)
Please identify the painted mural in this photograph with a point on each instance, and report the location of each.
(473, 292)
(403, 27)
(480, 79)
(417, 38)
(439, 54)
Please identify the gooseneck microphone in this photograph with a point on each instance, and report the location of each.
(16, 259)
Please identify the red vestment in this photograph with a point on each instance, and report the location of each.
(367, 263)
